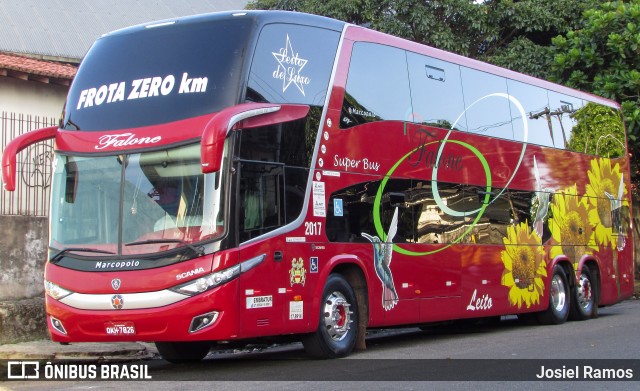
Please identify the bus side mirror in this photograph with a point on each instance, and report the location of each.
(251, 115)
(15, 146)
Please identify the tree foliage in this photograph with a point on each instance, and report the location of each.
(511, 33)
(596, 49)
(526, 29)
(603, 57)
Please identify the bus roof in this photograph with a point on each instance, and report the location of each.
(359, 33)
(260, 18)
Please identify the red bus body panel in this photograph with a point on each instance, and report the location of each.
(457, 281)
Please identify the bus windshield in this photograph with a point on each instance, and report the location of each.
(139, 203)
(149, 75)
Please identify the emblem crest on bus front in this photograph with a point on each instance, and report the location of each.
(297, 273)
(116, 283)
(290, 65)
(117, 301)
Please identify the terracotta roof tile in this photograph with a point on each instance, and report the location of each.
(32, 66)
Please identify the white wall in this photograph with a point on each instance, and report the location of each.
(31, 97)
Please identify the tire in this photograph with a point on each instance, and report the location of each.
(559, 299)
(338, 326)
(178, 352)
(583, 298)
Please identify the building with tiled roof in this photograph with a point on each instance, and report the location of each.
(42, 41)
(65, 29)
(44, 71)
(41, 44)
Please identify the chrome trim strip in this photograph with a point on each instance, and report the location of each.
(251, 263)
(250, 113)
(212, 314)
(130, 301)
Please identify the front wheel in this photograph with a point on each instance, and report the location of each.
(177, 352)
(338, 327)
(583, 299)
(559, 299)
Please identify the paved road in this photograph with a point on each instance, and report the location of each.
(397, 359)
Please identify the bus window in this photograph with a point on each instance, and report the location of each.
(85, 194)
(436, 92)
(487, 105)
(274, 168)
(356, 218)
(561, 109)
(379, 92)
(158, 76)
(535, 104)
(261, 200)
(292, 64)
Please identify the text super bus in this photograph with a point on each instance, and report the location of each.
(223, 178)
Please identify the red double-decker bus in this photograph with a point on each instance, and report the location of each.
(229, 177)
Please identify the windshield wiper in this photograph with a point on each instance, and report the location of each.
(61, 253)
(198, 250)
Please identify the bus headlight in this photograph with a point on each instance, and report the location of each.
(207, 282)
(55, 291)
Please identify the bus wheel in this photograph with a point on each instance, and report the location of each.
(177, 352)
(338, 328)
(559, 299)
(583, 299)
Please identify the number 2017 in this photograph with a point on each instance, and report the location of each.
(312, 229)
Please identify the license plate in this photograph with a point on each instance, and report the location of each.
(120, 328)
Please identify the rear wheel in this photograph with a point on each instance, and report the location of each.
(177, 352)
(559, 299)
(338, 327)
(583, 298)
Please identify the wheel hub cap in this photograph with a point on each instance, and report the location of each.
(337, 317)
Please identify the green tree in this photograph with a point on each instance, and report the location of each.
(526, 29)
(603, 57)
(596, 49)
(515, 34)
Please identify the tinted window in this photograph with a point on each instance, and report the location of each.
(436, 92)
(356, 216)
(535, 103)
(487, 105)
(377, 85)
(148, 76)
(292, 64)
(561, 109)
(274, 168)
(420, 219)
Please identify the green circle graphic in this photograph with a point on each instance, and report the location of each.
(376, 204)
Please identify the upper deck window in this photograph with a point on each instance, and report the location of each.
(487, 107)
(377, 85)
(436, 92)
(292, 64)
(146, 76)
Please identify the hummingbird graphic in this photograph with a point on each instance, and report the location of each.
(543, 202)
(382, 252)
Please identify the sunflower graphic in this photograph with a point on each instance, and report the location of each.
(523, 259)
(603, 180)
(569, 227)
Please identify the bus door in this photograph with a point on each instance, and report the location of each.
(259, 198)
(268, 290)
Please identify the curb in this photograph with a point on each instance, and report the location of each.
(94, 351)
